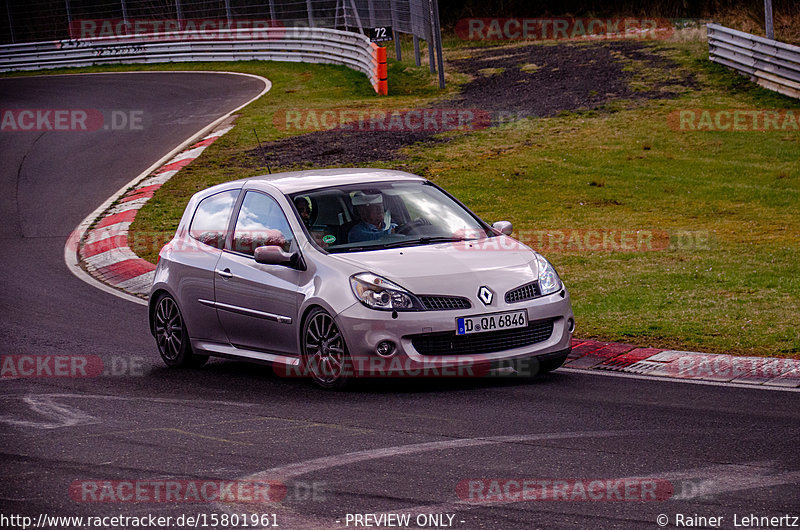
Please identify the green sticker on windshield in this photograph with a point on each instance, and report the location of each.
(329, 239)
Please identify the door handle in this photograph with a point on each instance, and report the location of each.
(225, 273)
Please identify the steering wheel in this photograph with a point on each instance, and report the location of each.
(411, 226)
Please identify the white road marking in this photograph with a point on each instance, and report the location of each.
(290, 519)
(734, 479)
(58, 414)
(690, 484)
(61, 415)
(326, 462)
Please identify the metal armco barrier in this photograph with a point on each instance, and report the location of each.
(773, 65)
(309, 45)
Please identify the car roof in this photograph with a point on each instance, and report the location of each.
(298, 181)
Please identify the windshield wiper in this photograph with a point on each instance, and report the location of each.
(423, 241)
(401, 243)
(354, 249)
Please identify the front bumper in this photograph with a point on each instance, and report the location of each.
(363, 329)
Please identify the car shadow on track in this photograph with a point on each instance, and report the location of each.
(253, 378)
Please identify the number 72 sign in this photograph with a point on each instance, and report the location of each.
(380, 34)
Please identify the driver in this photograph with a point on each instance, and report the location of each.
(369, 208)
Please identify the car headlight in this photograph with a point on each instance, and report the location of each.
(377, 292)
(549, 282)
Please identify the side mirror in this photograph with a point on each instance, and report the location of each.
(504, 227)
(274, 255)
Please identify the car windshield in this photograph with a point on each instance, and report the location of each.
(384, 215)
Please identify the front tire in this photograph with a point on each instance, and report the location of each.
(172, 337)
(323, 351)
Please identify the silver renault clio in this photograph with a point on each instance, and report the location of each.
(340, 273)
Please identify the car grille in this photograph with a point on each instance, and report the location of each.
(529, 291)
(448, 343)
(443, 303)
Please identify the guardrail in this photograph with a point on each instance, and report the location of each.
(773, 65)
(310, 45)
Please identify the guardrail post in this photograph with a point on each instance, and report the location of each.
(431, 57)
(124, 6)
(395, 34)
(228, 14)
(398, 53)
(437, 38)
(310, 10)
(179, 13)
(357, 16)
(371, 8)
(10, 22)
(69, 12)
(768, 19)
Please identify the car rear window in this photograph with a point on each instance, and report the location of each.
(210, 221)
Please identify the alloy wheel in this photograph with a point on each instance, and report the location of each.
(169, 329)
(324, 350)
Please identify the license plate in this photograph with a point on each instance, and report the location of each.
(491, 322)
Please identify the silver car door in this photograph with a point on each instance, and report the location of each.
(257, 304)
(194, 260)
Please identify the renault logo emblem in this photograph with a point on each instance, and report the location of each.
(485, 295)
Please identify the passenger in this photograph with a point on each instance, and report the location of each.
(372, 225)
(303, 206)
(305, 209)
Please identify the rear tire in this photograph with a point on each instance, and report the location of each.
(172, 338)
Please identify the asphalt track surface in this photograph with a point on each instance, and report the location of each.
(392, 446)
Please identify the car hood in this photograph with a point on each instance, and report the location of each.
(500, 263)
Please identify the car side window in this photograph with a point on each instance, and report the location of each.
(261, 222)
(210, 222)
